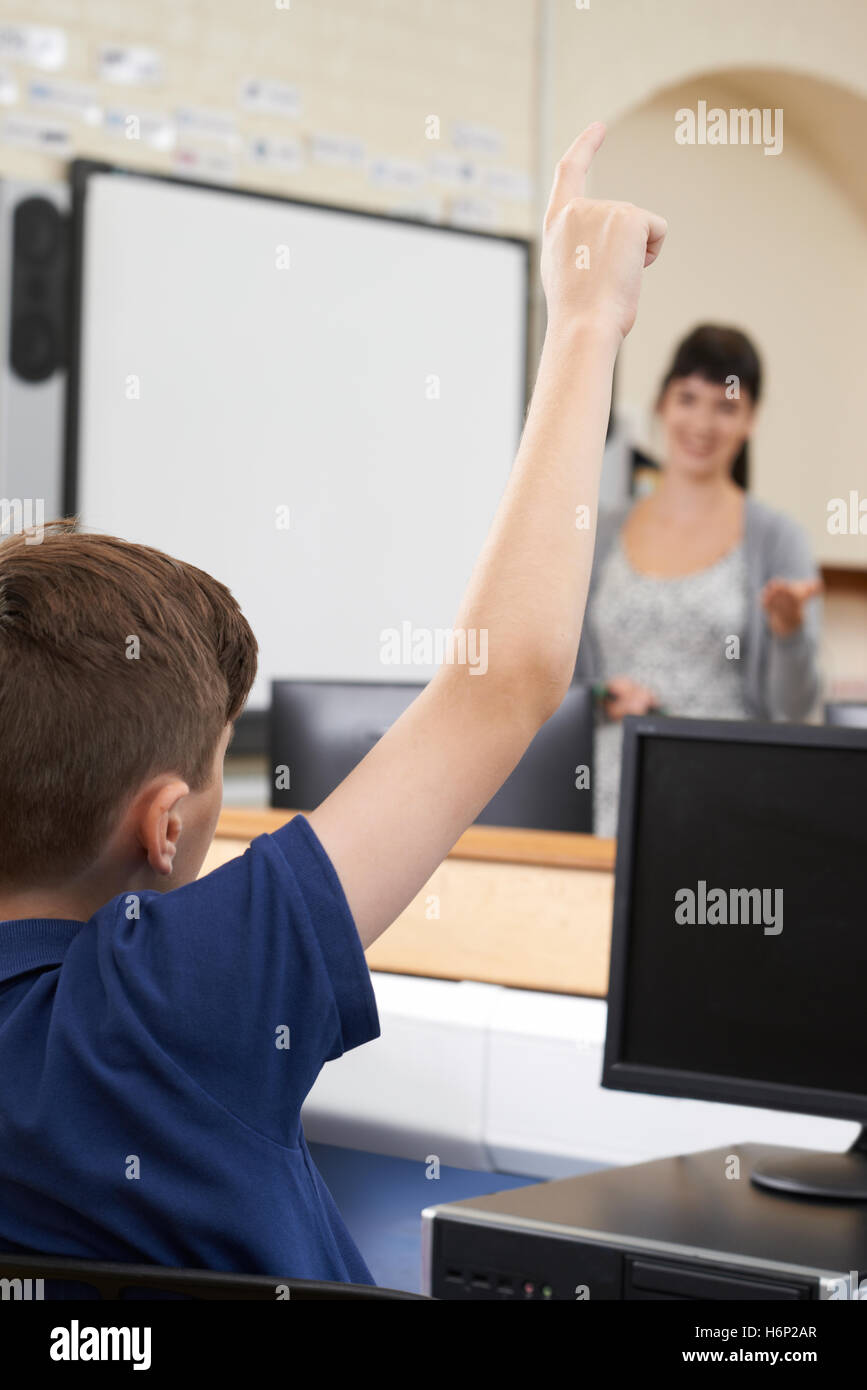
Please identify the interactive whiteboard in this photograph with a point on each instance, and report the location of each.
(320, 407)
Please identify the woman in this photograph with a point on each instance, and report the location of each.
(702, 600)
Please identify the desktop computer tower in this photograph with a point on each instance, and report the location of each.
(672, 1229)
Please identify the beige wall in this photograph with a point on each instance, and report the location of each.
(370, 69)
(653, 44)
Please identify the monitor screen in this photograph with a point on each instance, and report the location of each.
(741, 907)
(851, 713)
(321, 730)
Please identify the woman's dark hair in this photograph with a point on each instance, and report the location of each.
(716, 354)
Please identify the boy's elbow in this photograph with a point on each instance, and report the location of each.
(552, 685)
(525, 688)
(538, 687)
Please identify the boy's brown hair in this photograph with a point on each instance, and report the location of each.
(117, 663)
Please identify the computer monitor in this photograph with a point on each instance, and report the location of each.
(739, 948)
(851, 714)
(550, 788)
(320, 730)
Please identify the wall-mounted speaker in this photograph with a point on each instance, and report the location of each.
(34, 278)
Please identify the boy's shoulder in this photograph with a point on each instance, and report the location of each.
(244, 982)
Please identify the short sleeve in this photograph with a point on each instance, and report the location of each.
(247, 981)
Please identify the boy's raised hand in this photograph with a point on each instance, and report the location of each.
(396, 816)
(593, 252)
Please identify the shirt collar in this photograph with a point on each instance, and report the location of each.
(31, 942)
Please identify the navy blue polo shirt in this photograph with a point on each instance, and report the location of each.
(154, 1060)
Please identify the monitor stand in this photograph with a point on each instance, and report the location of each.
(810, 1173)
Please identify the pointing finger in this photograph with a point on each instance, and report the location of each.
(572, 169)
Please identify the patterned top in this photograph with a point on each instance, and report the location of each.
(674, 636)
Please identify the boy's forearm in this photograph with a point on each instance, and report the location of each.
(529, 586)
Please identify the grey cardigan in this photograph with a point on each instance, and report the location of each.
(781, 675)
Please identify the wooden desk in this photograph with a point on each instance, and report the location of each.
(527, 908)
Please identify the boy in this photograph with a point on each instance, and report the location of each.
(158, 1033)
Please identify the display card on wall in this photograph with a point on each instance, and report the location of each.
(34, 45)
(129, 65)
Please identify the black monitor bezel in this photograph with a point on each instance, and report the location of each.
(664, 1081)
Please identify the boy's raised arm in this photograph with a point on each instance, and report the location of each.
(396, 816)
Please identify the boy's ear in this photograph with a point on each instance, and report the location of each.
(160, 824)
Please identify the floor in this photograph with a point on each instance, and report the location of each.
(381, 1200)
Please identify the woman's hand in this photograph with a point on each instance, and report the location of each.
(783, 601)
(594, 252)
(626, 696)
